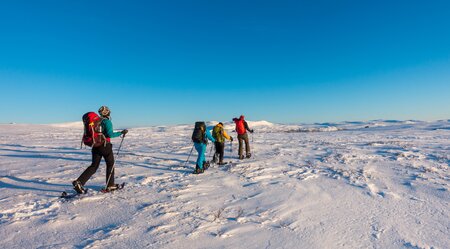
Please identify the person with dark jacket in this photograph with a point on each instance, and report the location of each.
(219, 134)
(241, 129)
(104, 151)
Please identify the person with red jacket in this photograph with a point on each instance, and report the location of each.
(241, 129)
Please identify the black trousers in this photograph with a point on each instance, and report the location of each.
(220, 148)
(97, 154)
(243, 139)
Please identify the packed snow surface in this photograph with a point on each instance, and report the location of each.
(379, 184)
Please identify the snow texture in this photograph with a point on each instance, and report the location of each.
(378, 184)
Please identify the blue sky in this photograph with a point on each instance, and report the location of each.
(171, 62)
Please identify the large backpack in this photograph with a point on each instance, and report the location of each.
(198, 136)
(93, 136)
(218, 134)
(240, 127)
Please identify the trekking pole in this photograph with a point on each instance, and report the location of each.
(188, 156)
(253, 145)
(120, 146)
(112, 170)
(210, 151)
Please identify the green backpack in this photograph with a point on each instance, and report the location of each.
(217, 134)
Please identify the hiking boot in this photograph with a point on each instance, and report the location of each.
(222, 163)
(249, 155)
(241, 157)
(198, 170)
(205, 165)
(78, 187)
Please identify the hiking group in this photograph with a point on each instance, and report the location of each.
(98, 131)
(201, 135)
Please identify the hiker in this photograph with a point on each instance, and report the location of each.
(241, 129)
(219, 134)
(104, 150)
(200, 138)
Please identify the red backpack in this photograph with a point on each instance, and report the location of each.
(240, 127)
(93, 136)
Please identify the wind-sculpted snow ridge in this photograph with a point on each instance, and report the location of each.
(384, 186)
(314, 129)
(261, 123)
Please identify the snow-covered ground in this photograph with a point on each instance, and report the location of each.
(379, 184)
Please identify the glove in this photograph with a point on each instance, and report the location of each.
(251, 131)
(231, 139)
(124, 132)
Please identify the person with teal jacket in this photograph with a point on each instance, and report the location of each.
(200, 137)
(102, 151)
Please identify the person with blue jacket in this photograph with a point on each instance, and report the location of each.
(104, 151)
(200, 137)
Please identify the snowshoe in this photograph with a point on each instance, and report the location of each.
(198, 171)
(113, 188)
(69, 196)
(79, 190)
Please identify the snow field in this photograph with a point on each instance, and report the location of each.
(317, 186)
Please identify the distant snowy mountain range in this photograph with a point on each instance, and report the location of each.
(265, 126)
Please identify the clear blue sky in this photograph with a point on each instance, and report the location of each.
(170, 62)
